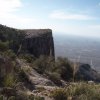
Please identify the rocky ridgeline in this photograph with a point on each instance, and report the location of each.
(39, 42)
(36, 42)
(29, 81)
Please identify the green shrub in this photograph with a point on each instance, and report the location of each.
(13, 36)
(55, 77)
(28, 57)
(1, 97)
(22, 96)
(4, 46)
(10, 54)
(9, 80)
(42, 64)
(40, 89)
(12, 98)
(59, 94)
(31, 97)
(77, 91)
(47, 65)
(39, 98)
(83, 91)
(22, 76)
(64, 68)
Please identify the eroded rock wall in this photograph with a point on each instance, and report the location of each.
(34, 41)
(39, 42)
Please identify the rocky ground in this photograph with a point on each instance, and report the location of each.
(42, 86)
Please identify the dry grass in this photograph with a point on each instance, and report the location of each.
(78, 91)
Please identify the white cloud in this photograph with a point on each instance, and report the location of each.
(16, 21)
(8, 15)
(69, 16)
(7, 6)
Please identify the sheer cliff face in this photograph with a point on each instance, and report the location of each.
(34, 41)
(39, 42)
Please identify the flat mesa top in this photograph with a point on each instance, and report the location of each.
(37, 32)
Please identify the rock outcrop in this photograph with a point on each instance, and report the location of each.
(33, 41)
(39, 42)
(85, 72)
(34, 77)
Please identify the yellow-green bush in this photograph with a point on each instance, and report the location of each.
(46, 65)
(78, 91)
(10, 54)
(39, 98)
(59, 94)
(1, 97)
(12, 98)
(55, 78)
(3, 46)
(31, 97)
(42, 64)
(9, 80)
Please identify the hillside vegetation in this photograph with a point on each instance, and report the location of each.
(25, 77)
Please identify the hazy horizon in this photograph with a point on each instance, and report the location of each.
(76, 17)
(78, 48)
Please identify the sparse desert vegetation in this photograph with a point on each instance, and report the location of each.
(24, 76)
(78, 91)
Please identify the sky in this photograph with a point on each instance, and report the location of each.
(76, 17)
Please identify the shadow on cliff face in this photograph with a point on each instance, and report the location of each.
(36, 42)
(39, 42)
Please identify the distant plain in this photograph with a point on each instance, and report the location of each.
(78, 48)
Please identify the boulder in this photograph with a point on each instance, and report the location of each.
(85, 72)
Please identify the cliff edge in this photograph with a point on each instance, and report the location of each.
(33, 41)
(39, 42)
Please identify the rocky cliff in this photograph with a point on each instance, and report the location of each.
(39, 42)
(34, 41)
